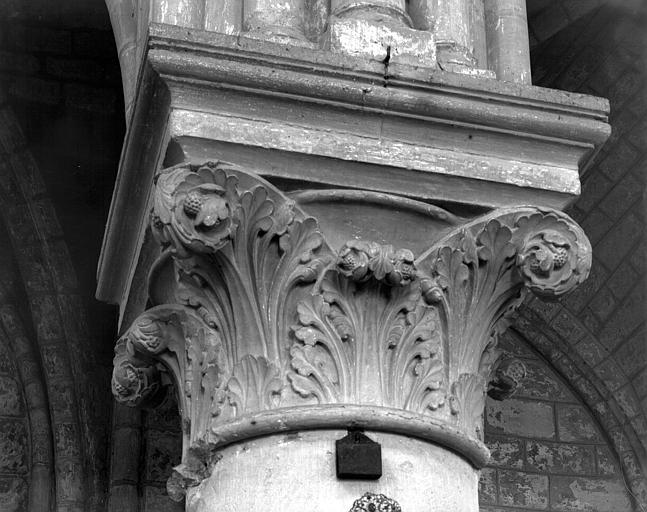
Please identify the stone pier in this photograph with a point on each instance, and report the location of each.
(321, 226)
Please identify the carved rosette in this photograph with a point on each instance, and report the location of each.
(371, 502)
(260, 325)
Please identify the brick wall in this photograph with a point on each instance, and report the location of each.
(548, 452)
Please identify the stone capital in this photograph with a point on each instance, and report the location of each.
(266, 323)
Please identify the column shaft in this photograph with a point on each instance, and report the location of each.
(223, 16)
(275, 17)
(507, 40)
(368, 8)
(186, 13)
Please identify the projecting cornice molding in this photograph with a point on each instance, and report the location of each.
(263, 327)
(308, 116)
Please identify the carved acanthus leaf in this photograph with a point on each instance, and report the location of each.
(175, 340)
(363, 340)
(476, 275)
(242, 255)
(468, 402)
(255, 385)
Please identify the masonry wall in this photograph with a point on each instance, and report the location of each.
(548, 452)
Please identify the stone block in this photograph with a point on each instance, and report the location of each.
(46, 219)
(628, 401)
(516, 346)
(6, 361)
(525, 490)
(590, 393)
(622, 197)
(13, 447)
(55, 361)
(594, 187)
(61, 265)
(569, 494)
(611, 374)
(627, 318)
(62, 401)
(11, 401)
(505, 451)
(125, 440)
(603, 304)
(589, 320)
(625, 87)
(66, 439)
(385, 41)
(530, 418)
(163, 452)
(560, 458)
(591, 350)
(69, 481)
(618, 161)
(568, 326)
(487, 486)
(632, 355)
(542, 383)
(28, 174)
(640, 382)
(623, 279)
(14, 493)
(576, 424)
(34, 269)
(45, 312)
(605, 416)
(581, 296)
(639, 424)
(606, 461)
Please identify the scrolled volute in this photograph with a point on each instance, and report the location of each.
(554, 254)
(197, 209)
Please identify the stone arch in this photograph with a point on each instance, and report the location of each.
(57, 324)
(548, 451)
(20, 364)
(613, 415)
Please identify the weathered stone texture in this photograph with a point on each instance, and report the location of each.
(516, 416)
(570, 470)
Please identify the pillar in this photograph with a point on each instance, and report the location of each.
(185, 13)
(318, 251)
(507, 40)
(381, 30)
(274, 18)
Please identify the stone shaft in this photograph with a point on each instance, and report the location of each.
(507, 40)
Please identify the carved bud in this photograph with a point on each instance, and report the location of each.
(404, 269)
(353, 260)
(431, 291)
(193, 203)
(375, 503)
